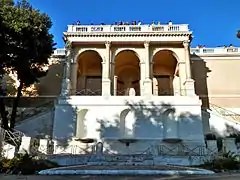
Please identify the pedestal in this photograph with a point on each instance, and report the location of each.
(43, 146)
(212, 146)
(66, 84)
(147, 84)
(171, 128)
(229, 145)
(25, 145)
(106, 87)
(189, 87)
(8, 151)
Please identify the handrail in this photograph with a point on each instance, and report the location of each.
(13, 136)
(37, 110)
(216, 108)
(89, 92)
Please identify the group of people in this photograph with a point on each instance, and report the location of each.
(128, 23)
(224, 46)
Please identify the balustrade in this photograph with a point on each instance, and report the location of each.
(89, 92)
(128, 28)
(215, 50)
(61, 51)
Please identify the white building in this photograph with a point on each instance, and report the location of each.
(129, 87)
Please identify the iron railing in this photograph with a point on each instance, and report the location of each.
(12, 137)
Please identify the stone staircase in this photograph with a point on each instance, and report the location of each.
(93, 157)
(118, 159)
(27, 113)
(226, 114)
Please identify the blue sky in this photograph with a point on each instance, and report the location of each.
(213, 22)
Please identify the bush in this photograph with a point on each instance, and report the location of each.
(25, 164)
(227, 161)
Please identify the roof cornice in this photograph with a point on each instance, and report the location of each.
(129, 34)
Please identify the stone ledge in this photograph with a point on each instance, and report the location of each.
(126, 172)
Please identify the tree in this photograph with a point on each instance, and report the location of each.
(28, 46)
(238, 34)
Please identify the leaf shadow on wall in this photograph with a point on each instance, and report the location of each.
(152, 122)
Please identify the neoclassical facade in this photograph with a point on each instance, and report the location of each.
(125, 84)
(132, 87)
(113, 70)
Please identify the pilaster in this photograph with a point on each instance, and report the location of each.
(147, 83)
(182, 79)
(115, 85)
(66, 83)
(74, 68)
(189, 83)
(106, 82)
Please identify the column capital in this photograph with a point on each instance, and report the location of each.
(146, 44)
(108, 44)
(186, 44)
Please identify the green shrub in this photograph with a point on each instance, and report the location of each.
(25, 164)
(227, 161)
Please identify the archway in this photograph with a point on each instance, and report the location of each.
(127, 121)
(89, 74)
(127, 71)
(164, 71)
(81, 131)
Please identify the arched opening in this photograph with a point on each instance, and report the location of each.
(81, 131)
(127, 121)
(89, 74)
(127, 71)
(164, 71)
(171, 125)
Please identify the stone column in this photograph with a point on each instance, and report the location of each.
(115, 85)
(147, 83)
(189, 83)
(182, 77)
(74, 68)
(106, 82)
(142, 77)
(176, 85)
(66, 84)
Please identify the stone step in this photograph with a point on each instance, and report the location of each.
(117, 163)
(121, 158)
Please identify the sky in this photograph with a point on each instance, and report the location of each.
(213, 22)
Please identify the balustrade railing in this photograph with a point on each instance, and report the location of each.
(182, 150)
(59, 52)
(89, 92)
(215, 50)
(13, 137)
(128, 28)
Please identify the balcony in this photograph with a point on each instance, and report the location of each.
(127, 28)
(215, 50)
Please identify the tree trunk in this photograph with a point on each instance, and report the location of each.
(3, 113)
(15, 106)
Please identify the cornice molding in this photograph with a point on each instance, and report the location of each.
(123, 34)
